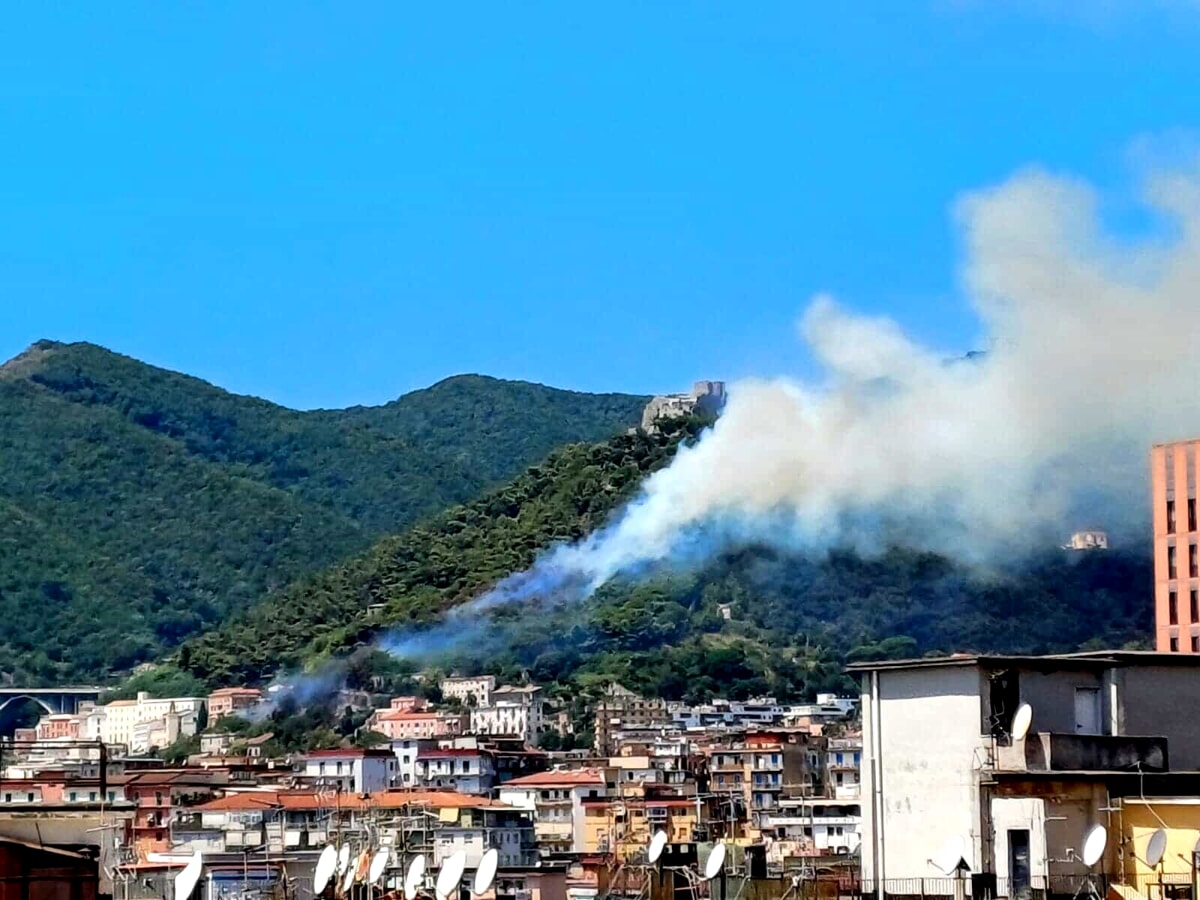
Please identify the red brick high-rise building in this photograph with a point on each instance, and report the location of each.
(1176, 556)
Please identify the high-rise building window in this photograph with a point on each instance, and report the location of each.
(1170, 517)
(1191, 513)
(1194, 605)
(1171, 568)
(1195, 643)
(1193, 562)
(1173, 608)
(1174, 645)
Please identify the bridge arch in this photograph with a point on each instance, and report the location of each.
(14, 698)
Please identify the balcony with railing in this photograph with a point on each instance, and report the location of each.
(1053, 752)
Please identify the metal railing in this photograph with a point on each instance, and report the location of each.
(1038, 887)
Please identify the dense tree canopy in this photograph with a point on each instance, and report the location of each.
(794, 618)
(140, 506)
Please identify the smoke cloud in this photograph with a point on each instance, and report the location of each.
(1087, 360)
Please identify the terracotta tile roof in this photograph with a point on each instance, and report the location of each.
(561, 778)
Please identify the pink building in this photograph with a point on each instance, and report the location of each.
(398, 725)
(58, 727)
(230, 701)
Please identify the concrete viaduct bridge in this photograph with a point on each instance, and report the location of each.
(52, 700)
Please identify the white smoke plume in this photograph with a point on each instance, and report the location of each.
(1091, 354)
(1090, 357)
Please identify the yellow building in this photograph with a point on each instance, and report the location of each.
(1138, 819)
(623, 827)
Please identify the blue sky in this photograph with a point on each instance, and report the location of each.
(329, 204)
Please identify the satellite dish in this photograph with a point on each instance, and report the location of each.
(1021, 722)
(486, 873)
(716, 862)
(657, 843)
(326, 866)
(1156, 848)
(378, 863)
(362, 866)
(952, 856)
(348, 881)
(1094, 844)
(416, 874)
(451, 874)
(343, 859)
(185, 881)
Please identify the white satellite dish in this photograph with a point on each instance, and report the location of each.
(952, 856)
(486, 873)
(348, 881)
(715, 863)
(416, 874)
(343, 860)
(1156, 848)
(362, 865)
(451, 874)
(657, 843)
(326, 866)
(1021, 722)
(1094, 844)
(185, 881)
(378, 863)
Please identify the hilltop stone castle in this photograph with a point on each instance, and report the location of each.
(706, 398)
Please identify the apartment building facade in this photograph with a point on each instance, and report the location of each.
(1176, 555)
(556, 802)
(621, 710)
(470, 690)
(231, 701)
(351, 771)
(512, 711)
(940, 762)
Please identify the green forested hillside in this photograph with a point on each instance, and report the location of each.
(139, 506)
(795, 618)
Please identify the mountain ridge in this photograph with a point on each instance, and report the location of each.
(197, 501)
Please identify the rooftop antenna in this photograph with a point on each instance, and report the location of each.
(1156, 848)
(378, 864)
(486, 873)
(326, 867)
(1094, 844)
(415, 876)
(1022, 719)
(185, 881)
(362, 865)
(349, 873)
(715, 864)
(657, 844)
(951, 860)
(450, 875)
